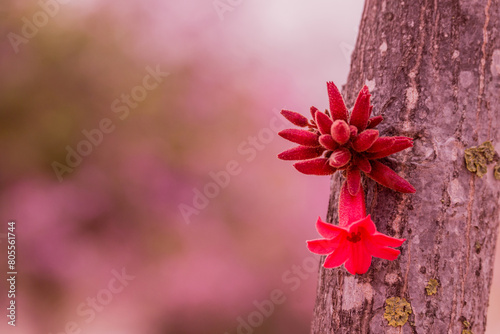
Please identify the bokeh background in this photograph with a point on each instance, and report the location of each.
(232, 66)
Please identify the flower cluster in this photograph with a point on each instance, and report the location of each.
(336, 141)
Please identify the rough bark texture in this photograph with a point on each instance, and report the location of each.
(433, 68)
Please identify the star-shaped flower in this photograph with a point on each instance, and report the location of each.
(354, 245)
(336, 141)
(355, 240)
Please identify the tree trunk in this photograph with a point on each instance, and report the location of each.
(433, 68)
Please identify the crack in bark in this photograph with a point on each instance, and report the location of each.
(453, 306)
(435, 50)
(412, 93)
(405, 282)
(367, 315)
(467, 237)
(455, 37)
(482, 66)
(360, 41)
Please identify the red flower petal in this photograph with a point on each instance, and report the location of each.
(364, 140)
(294, 117)
(388, 178)
(302, 137)
(324, 122)
(340, 157)
(353, 179)
(340, 132)
(318, 166)
(337, 105)
(361, 111)
(329, 231)
(366, 223)
(359, 260)
(378, 245)
(301, 153)
(328, 142)
(385, 240)
(338, 257)
(385, 253)
(399, 144)
(374, 121)
(322, 246)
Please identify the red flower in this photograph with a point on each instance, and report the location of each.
(353, 245)
(334, 141)
(355, 240)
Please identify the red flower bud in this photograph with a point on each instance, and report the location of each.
(301, 153)
(374, 121)
(302, 137)
(340, 157)
(362, 110)
(354, 131)
(294, 117)
(324, 123)
(340, 132)
(314, 110)
(338, 109)
(328, 142)
(318, 166)
(364, 140)
(388, 178)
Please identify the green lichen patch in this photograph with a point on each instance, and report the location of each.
(397, 311)
(466, 327)
(487, 150)
(478, 158)
(431, 287)
(496, 171)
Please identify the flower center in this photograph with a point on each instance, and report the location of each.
(354, 237)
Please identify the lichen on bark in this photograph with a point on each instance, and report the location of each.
(478, 158)
(431, 287)
(397, 311)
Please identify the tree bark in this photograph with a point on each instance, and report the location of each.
(433, 68)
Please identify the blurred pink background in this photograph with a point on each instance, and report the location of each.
(233, 262)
